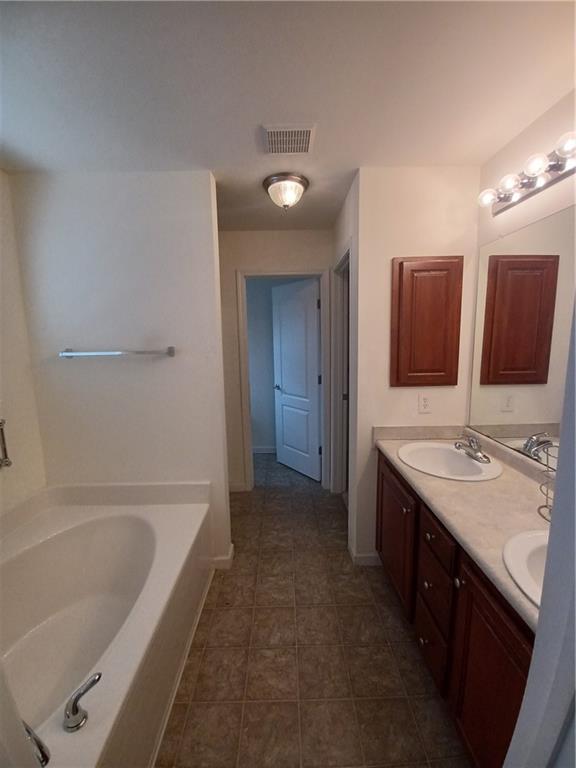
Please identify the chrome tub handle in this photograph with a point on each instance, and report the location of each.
(75, 716)
(4, 458)
(41, 751)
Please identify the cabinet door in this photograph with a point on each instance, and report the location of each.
(396, 533)
(491, 656)
(425, 335)
(518, 320)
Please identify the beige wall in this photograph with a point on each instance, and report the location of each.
(263, 252)
(401, 212)
(127, 260)
(17, 398)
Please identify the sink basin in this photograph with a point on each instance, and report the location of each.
(443, 460)
(525, 559)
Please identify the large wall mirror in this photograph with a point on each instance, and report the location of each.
(523, 318)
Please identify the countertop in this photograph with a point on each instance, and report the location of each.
(481, 516)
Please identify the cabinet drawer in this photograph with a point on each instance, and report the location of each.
(436, 588)
(432, 645)
(434, 537)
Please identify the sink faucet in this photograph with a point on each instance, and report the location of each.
(41, 751)
(536, 443)
(472, 448)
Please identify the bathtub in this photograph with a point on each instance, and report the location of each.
(110, 588)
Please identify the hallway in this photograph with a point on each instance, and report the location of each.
(300, 658)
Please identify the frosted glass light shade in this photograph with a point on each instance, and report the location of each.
(285, 189)
(510, 182)
(566, 145)
(536, 165)
(487, 197)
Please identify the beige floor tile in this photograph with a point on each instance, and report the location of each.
(230, 627)
(317, 625)
(373, 671)
(388, 732)
(236, 589)
(329, 734)
(273, 627)
(360, 625)
(211, 735)
(322, 672)
(313, 589)
(275, 591)
(272, 674)
(222, 675)
(350, 589)
(269, 736)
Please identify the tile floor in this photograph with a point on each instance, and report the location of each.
(300, 659)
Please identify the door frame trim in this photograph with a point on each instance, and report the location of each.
(337, 448)
(325, 351)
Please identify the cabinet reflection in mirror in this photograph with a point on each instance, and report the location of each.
(523, 317)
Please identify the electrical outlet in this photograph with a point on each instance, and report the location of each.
(424, 405)
(507, 403)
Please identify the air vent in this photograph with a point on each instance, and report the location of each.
(288, 140)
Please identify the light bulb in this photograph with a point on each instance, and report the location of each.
(487, 197)
(566, 145)
(510, 182)
(542, 180)
(536, 165)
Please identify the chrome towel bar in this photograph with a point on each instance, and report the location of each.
(168, 352)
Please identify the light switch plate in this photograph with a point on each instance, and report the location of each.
(424, 404)
(507, 404)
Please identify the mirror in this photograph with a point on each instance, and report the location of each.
(525, 299)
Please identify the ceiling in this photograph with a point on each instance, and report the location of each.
(179, 86)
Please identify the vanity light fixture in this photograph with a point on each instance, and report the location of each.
(285, 189)
(540, 171)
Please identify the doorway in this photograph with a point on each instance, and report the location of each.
(341, 377)
(284, 366)
(282, 322)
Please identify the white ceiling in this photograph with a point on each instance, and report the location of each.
(177, 86)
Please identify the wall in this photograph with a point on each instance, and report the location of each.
(17, 399)
(126, 261)
(262, 252)
(533, 403)
(261, 364)
(401, 212)
(540, 136)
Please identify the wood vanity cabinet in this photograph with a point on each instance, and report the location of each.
(476, 647)
(396, 517)
(492, 648)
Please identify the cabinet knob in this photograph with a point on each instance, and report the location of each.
(427, 584)
(459, 582)
(422, 642)
(405, 510)
(429, 536)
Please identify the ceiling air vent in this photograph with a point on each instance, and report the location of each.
(288, 139)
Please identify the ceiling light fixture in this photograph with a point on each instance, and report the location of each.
(285, 189)
(540, 171)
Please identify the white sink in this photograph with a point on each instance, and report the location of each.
(525, 559)
(443, 460)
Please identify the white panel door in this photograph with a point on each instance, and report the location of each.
(296, 325)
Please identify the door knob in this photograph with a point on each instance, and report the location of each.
(277, 386)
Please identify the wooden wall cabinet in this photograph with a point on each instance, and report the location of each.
(396, 517)
(476, 647)
(518, 319)
(425, 326)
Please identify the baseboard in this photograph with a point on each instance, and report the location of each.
(224, 562)
(263, 449)
(238, 487)
(370, 559)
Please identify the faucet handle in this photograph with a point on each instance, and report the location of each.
(473, 442)
(75, 716)
(41, 751)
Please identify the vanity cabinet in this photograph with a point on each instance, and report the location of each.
(476, 647)
(492, 649)
(396, 517)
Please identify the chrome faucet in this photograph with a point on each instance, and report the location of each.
(536, 443)
(75, 716)
(41, 751)
(472, 448)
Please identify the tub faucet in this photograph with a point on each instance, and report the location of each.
(472, 448)
(75, 716)
(41, 751)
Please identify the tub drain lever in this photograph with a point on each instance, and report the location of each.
(75, 716)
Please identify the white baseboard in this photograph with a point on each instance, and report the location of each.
(263, 449)
(224, 562)
(370, 559)
(238, 487)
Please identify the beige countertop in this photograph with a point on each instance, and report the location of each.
(481, 516)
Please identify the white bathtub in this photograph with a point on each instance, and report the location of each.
(101, 588)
